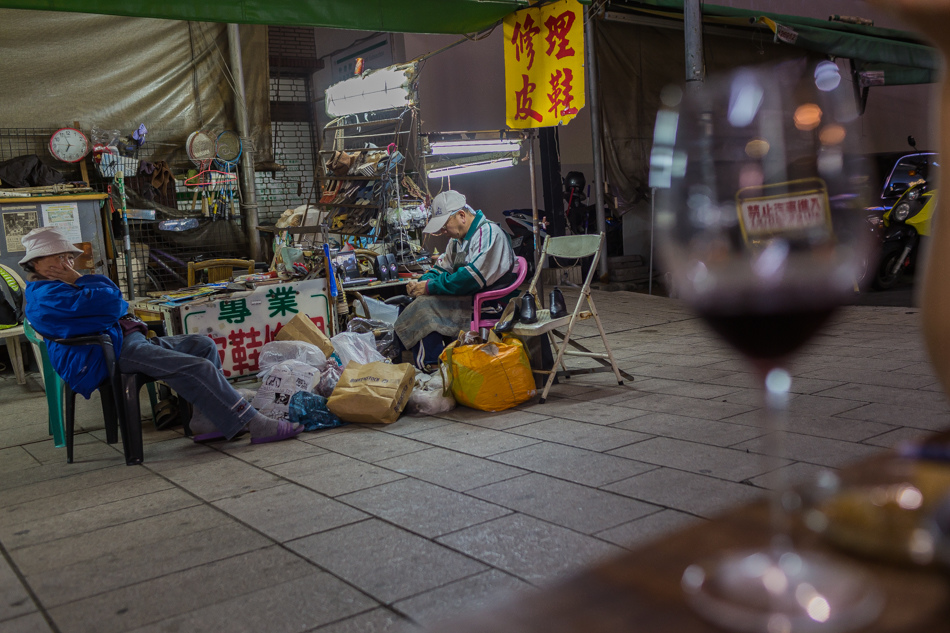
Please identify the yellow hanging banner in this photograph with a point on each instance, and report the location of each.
(544, 65)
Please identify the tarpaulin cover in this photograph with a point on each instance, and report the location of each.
(903, 57)
(405, 16)
(117, 72)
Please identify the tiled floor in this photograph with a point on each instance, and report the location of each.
(391, 528)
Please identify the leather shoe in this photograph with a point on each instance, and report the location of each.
(558, 307)
(509, 316)
(529, 309)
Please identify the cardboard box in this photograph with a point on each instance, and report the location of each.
(301, 328)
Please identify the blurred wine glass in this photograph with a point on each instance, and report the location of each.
(760, 192)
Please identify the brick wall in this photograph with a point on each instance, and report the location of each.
(292, 41)
(293, 144)
(288, 89)
(293, 149)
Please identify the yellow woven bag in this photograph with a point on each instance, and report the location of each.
(491, 376)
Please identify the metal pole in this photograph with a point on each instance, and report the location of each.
(595, 129)
(126, 240)
(534, 216)
(249, 200)
(693, 33)
(652, 225)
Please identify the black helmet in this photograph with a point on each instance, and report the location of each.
(575, 180)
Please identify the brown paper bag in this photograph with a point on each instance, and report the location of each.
(301, 328)
(372, 393)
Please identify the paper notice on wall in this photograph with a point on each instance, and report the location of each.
(63, 216)
(15, 225)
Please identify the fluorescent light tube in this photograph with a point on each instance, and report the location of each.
(473, 147)
(471, 168)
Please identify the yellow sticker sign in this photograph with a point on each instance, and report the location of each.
(544, 65)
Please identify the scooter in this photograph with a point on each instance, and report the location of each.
(520, 224)
(901, 231)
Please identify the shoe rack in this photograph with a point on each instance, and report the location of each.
(368, 168)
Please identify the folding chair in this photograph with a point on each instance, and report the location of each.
(570, 247)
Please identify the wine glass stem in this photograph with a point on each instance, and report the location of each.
(777, 382)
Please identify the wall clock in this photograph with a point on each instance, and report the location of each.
(68, 145)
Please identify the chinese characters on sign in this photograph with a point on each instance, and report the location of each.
(241, 324)
(544, 65)
(778, 215)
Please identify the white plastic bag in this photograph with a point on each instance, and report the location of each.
(277, 352)
(427, 398)
(356, 346)
(284, 380)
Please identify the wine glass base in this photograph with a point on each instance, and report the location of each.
(781, 592)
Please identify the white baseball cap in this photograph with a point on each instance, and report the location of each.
(442, 208)
(44, 241)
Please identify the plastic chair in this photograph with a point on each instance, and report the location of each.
(52, 384)
(218, 269)
(478, 321)
(570, 247)
(12, 336)
(119, 395)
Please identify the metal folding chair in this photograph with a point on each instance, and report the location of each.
(571, 247)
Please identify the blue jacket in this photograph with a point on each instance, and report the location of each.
(59, 310)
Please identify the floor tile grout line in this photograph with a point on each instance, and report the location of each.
(41, 608)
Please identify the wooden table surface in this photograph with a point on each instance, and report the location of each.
(640, 591)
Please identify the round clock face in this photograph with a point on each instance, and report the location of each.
(69, 145)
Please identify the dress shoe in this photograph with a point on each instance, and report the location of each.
(558, 307)
(529, 309)
(509, 316)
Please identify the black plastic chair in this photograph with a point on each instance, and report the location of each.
(119, 394)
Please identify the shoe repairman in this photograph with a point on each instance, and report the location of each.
(62, 303)
(479, 257)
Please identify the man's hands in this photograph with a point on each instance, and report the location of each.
(57, 267)
(416, 288)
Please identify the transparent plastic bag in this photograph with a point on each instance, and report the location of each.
(427, 397)
(311, 410)
(328, 378)
(357, 347)
(383, 333)
(277, 352)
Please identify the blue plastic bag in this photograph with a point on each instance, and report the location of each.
(311, 410)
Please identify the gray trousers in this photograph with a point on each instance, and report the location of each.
(191, 366)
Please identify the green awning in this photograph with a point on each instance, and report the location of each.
(398, 16)
(882, 56)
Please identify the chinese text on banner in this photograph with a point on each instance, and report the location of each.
(544, 65)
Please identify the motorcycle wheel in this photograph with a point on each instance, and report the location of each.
(883, 278)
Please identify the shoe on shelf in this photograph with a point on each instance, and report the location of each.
(509, 316)
(529, 309)
(558, 307)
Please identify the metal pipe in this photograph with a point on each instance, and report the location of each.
(534, 214)
(652, 229)
(595, 129)
(693, 36)
(249, 199)
(126, 240)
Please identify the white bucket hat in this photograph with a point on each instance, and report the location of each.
(44, 241)
(442, 208)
